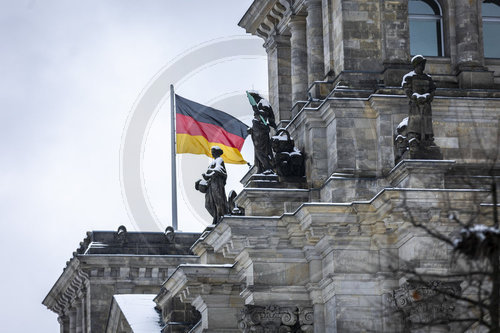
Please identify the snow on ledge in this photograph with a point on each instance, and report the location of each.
(139, 310)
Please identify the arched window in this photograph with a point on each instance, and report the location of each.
(426, 28)
(491, 30)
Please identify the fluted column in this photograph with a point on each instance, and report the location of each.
(314, 33)
(298, 47)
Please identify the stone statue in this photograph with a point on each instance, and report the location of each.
(401, 148)
(420, 88)
(234, 209)
(212, 185)
(288, 159)
(262, 121)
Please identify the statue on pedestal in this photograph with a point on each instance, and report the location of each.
(420, 88)
(212, 185)
(262, 121)
(289, 160)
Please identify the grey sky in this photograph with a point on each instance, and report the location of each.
(70, 74)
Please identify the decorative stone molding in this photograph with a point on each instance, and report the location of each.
(274, 318)
(75, 290)
(424, 303)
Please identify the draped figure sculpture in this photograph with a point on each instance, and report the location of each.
(262, 121)
(212, 184)
(420, 89)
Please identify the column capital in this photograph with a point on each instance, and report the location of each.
(297, 21)
(274, 41)
(313, 3)
(62, 319)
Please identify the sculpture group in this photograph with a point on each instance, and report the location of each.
(272, 155)
(276, 154)
(414, 139)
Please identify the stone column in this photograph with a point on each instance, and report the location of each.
(315, 292)
(84, 312)
(64, 323)
(280, 82)
(396, 41)
(315, 53)
(327, 35)
(218, 312)
(467, 34)
(298, 46)
(79, 316)
(471, 73)
(72, 320)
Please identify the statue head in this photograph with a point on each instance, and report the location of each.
(216, 151)
(418, 62)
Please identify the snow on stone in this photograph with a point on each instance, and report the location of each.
(218, 165)
(281, 137)
(403, 123)
(410, 74)
(480, 230)
(139, 310)
(264, 102)
(417, 95)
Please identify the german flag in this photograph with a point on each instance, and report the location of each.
(200, 127)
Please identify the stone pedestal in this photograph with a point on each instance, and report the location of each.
(425, 152)
(419, 173)
(260, 181)
(271, 201)
(274, 181)
(475, 79)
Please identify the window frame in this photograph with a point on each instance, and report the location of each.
(434, 18)
(495, 19)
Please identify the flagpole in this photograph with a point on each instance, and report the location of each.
(173, 159)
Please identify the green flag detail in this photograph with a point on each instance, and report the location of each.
(251, 99)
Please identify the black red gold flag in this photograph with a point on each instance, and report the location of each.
(200, 127)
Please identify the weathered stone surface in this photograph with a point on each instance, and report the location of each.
(109, 263)
(329, 244)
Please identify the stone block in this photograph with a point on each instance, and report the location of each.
(420, 173)
(476, 80)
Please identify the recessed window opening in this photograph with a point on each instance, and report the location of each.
(426, 28)
(491, 30)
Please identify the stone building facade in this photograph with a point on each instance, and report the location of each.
(324, 253)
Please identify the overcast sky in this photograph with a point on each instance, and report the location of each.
(71, 73)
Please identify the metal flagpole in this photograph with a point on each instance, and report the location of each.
(173, 159)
